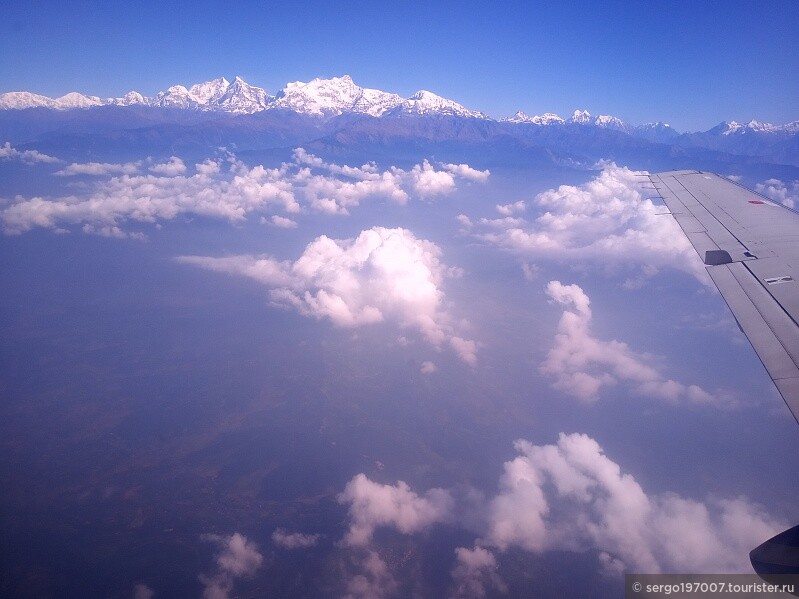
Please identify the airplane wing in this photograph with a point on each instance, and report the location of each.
(750, 245)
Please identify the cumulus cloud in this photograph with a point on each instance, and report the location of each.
(780, 191)
(571, 496)
(465, 348)
(150, 198)
(582, 365)
(475, 573)
(375, 581)
(294, 540)
(427, 181)
(510, 209)
(464, 221)
(372, 505)
(283, 222)
(172, 168)
(226, 189)
(605, 221)
(467, 172)
(98, 169)
(428, 367)
(7, 152)
(350, 185)
(383, 275)
(237, 557)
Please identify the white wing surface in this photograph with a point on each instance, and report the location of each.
(750, 245)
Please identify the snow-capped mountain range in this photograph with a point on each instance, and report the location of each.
(327, 98)
(320, 97)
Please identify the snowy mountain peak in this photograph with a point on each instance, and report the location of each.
(319, 97)
(425, 102)
(76, 100)
(656, 125)
(548, 118)
(176, 90)
(132, 97)
(210, 91)
(22, 100)
(582, 117)
(727, 127)
(241, 97)
(607, 121)
(332, 97)
(518, 117)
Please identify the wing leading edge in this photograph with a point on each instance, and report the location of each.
(750, 246)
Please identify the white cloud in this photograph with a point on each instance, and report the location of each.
(785, 193)
(582, 365)
(467, 172)
(7, 152)
(427, 181)
(428, 367)
(372, 505)
(150, 198)
(225, 189)
(570, 496)
(464, 220)
(605, 221)
(172, 168)
(335, 195)
(283, 222)
(375, 581)
(294, 540)
(475, 573)
(465, 348)
(98, 169)
(237, 557)
(530, 270)
(510, 209)
(382, 275)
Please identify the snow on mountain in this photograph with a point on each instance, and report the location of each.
(22, 100)
(333, 97)
(176, 96)
(424, 102)
(548, 118)
(607, 121)
(241, 97)
(210, 91)
(328, 98)
(791, 128)
(762, 127)
(655, 132)
(728, 128)
(518, 117)
(76, 100)
(581, 117)
(658, 126)
(375, 102)
(129, 99)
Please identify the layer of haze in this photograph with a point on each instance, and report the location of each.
(311, 376)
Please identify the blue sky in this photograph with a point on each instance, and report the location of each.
(690, 64)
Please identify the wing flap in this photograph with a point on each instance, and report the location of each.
(771, 332)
